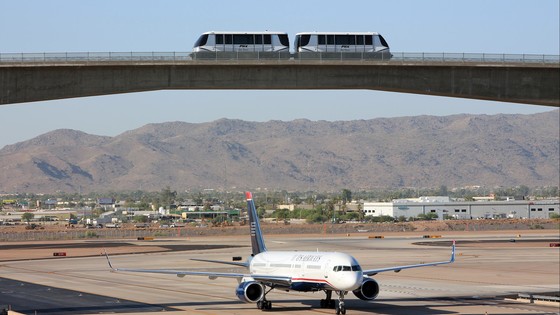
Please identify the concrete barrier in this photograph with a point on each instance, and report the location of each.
(519, 83)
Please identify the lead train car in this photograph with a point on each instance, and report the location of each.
(242, 45)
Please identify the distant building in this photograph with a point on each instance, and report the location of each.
(410, 208)
(106, 202)
(285, 207)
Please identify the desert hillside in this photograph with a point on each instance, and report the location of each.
(422, 151)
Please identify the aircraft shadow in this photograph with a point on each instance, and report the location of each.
(423, 306)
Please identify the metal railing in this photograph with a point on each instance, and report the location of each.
(186, 57)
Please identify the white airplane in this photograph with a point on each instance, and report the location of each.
(294, 270)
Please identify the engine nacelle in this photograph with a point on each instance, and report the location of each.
(250, 291)
(368, 290)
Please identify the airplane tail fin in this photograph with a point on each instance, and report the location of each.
(257, 240)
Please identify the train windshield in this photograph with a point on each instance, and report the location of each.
(201, 41)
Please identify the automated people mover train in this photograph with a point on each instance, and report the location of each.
(306, 45)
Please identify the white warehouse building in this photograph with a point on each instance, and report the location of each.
(409, 208)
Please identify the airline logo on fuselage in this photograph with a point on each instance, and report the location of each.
(307, 258)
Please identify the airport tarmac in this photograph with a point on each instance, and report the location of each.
(488, 267)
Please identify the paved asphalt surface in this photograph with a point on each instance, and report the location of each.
(50, 300)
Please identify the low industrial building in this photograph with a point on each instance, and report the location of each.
(445, 209)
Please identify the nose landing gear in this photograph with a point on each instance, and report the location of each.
(340, 308)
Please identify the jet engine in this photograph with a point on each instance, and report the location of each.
(250, 291)
(368, 290)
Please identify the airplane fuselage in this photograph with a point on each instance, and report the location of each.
(310, 271)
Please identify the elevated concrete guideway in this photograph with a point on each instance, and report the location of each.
(531, 83)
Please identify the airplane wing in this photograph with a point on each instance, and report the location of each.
(372, 272)
(266, 279)
(239, 264)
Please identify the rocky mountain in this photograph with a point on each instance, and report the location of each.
(423, 151)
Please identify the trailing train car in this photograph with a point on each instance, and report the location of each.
(334, 44)
(242, 44)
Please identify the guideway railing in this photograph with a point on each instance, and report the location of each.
(185, 57)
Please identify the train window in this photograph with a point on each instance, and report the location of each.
(304, 40)
(219, 39)
(330, 39)
(360, 39)
(369, 40)
(228, 39)
(345, 39)
(341, 39)
(284, 40)
(243, 39)
(383, 42)
(258, 39)
(321, 39)
(267, 39)
(201, 40)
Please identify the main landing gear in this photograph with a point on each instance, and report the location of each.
(265, 304)
(330, 303)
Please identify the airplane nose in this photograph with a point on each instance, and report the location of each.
(352, 281)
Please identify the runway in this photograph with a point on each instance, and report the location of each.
(488, 267)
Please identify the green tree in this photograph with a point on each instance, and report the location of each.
(428, 216)
(167, 196)
(282, 214)
(260, 212)
(346, 196)
(141, 218)
(28, 216)
(443, 191)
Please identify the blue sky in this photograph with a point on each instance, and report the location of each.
(496, 26)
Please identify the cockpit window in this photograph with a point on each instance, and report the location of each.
(347, 268)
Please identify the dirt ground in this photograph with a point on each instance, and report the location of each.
(515, 229)
(282, 228)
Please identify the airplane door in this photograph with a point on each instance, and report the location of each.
(327, 269)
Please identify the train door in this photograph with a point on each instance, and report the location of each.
(243, 42)
(326, 43)
(223, 42)
(267, 43)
